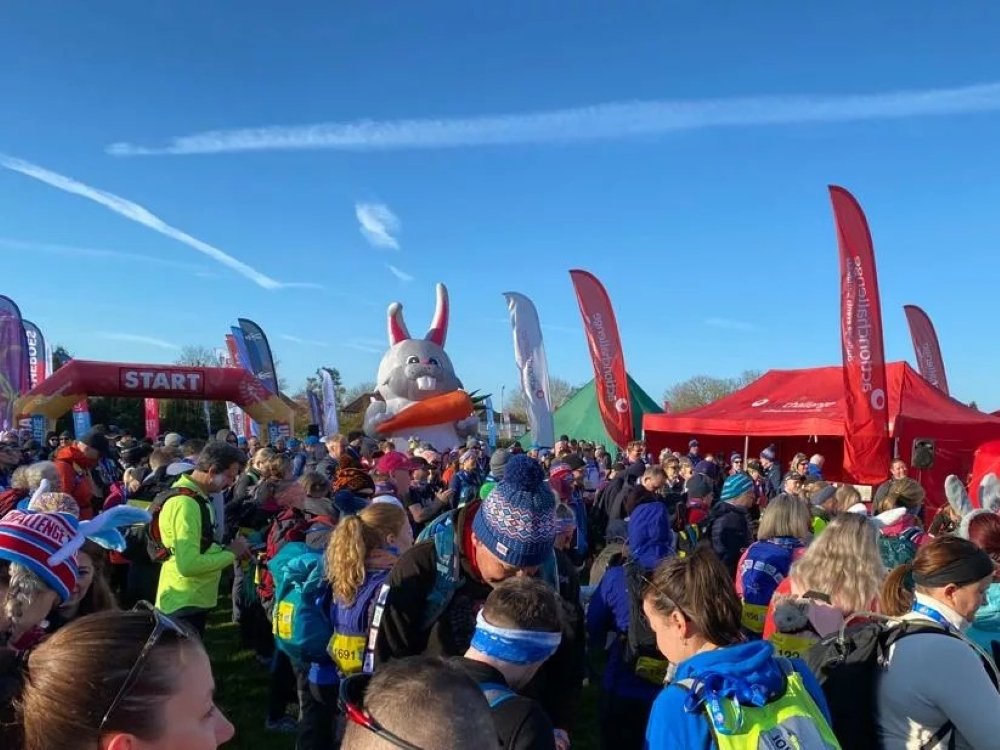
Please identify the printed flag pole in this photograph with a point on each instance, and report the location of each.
(610, 375)
(529, 355)
(930, 363)
(866, 427)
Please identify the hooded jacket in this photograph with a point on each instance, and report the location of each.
(678, 718)
(74, 475)
(650, 540)
(985, 628)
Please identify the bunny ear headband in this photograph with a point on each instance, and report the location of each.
(958, 498)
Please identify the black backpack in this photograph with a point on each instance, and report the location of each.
(155, 549)
(639, 651)
(847, 665)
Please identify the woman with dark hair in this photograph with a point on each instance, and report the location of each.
(939, 689)
(92, 592)
(147, 683)
(723, 685)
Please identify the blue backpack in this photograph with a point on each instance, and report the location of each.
(765, 565)
(300, 626)
(449, 574)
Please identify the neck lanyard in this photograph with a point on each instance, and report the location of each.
(933, 614)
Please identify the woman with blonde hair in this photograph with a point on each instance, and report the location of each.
(781, 539)
(358, 558)
(898, 521)
(840, 573)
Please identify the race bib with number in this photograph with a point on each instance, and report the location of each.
(347, 652)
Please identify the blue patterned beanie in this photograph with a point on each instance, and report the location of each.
(736, 485)
(517, 520)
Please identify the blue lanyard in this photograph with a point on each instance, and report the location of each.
(923, 609)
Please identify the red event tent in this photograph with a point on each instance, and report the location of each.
(803, 410)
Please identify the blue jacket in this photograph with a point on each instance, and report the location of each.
(679, 720)
(650, 540)
(986, 627)
(579, 507)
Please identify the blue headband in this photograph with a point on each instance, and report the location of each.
(514, 646)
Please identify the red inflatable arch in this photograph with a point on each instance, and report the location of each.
(79, 378)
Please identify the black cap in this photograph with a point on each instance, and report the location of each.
(573, 461)
(636, 470)
(698, 486)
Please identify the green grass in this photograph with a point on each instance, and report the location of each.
(241, 693)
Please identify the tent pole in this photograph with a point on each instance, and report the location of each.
(746, 449)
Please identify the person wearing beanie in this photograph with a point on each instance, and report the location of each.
(436, 588)
(498, 462)
(772, 470)
(729, 521)
(627, 691)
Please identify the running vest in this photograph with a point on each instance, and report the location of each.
(764, 566)
(352, 626)
(791, 722)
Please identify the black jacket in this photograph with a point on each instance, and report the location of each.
(730, 530)
(558, 683)
(773, 476)
(521, 723)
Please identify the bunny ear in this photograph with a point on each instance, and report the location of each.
(439, 325)
(103, 529)
(397, 328)
(958, 497)
(989, 493)
(43, 487)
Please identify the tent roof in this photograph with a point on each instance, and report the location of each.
(580, 418)
(811, 402)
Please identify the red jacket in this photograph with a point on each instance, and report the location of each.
(71, 462)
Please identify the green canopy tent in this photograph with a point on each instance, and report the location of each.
(581, 419)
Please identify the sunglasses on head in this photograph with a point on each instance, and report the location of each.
(162, 624)
(351, 703)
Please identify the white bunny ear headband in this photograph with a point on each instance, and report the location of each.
(958, 498)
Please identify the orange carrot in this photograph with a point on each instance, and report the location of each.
(442, 409)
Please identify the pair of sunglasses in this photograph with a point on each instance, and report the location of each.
(162, 624)
(351, 702)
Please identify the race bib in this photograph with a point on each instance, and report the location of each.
(651, 670)
(753, 616)
(790, 645)
(347, 652)
(283, 615)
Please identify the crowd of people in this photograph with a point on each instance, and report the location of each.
(405, 596)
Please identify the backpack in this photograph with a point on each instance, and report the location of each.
(301, 629)
(289, 526)
(898, 550)
(355, 628)
(693, 535)
(791, 721)
(847, 665)
(763, 566)
(639, 651)
(449, 573)
(155, 550)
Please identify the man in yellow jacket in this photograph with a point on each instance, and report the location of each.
(189, 579)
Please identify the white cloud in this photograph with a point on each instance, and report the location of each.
(399, 273)
(730, 325)
(144, 216)
(297, 340)
(133, 338)
(602, 121)
(379, 224)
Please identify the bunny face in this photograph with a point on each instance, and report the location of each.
(416, 369)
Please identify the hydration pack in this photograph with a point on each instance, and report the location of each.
(299, 624)
(639, 651)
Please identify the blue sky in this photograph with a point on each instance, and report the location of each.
(686, 166)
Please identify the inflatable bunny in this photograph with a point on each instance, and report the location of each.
(415, 370)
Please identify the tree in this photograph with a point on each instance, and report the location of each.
(358, 389)
(560, 391)
(704, 389)
(197, 356)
